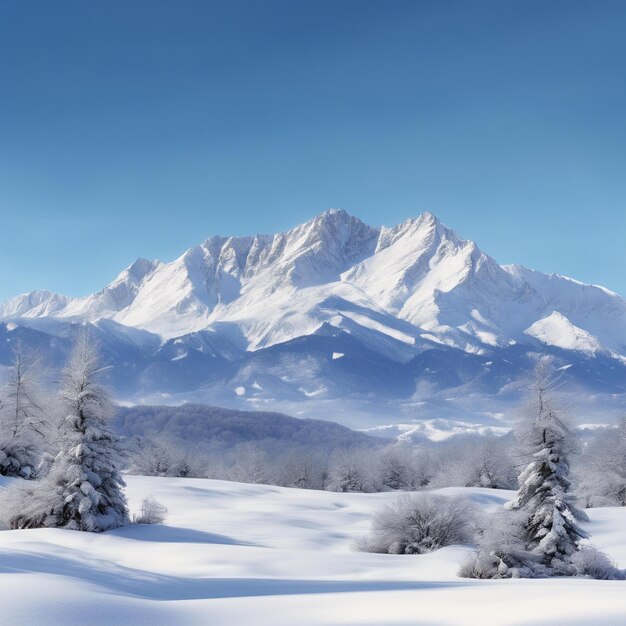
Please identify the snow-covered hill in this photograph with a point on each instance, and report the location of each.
(233, 553)
(225, 428)
(332, 310)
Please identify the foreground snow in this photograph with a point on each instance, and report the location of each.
(252, 554)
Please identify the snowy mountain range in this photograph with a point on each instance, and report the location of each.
(340, 319)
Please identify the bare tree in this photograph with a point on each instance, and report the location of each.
(352, 470)
(164, 455)
(25, 421)
(251, 465)
(152, 512)
(602, 470)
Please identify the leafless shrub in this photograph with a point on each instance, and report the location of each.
(420, 523)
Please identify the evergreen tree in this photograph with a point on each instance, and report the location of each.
(83, 489)
(540, 534)
(547, 507)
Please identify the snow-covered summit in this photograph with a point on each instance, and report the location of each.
(394, 288)
(34, 304)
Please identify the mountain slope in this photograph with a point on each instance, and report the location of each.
(336, 269)
(224, 315)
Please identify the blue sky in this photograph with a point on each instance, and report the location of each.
(139, 128)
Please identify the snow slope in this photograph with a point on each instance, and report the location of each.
(557, 330)
(252, 554)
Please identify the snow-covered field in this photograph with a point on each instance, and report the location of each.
(235, 554)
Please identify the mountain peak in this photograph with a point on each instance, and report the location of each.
(332, 212)
(140, 268)
(430, 221)
(335, 219)
(35, 303)
(414, 280)
(425, 230)
(429, 218)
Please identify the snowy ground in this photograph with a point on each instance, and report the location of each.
(249, 554)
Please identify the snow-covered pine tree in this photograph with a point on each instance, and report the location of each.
(83, 489)
(540, 535)
(550, 517)
(24, 422)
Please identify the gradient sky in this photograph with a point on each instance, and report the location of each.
(138, 128)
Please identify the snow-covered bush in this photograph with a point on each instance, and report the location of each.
(83, 489)
(502, 550)
(591, 562)
(420, 523)
(19, 458)
(152, 512)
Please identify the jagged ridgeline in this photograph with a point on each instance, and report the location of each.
(372, 322)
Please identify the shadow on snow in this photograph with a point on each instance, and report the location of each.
(152, 586)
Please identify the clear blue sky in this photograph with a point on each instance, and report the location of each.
(138, 128)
